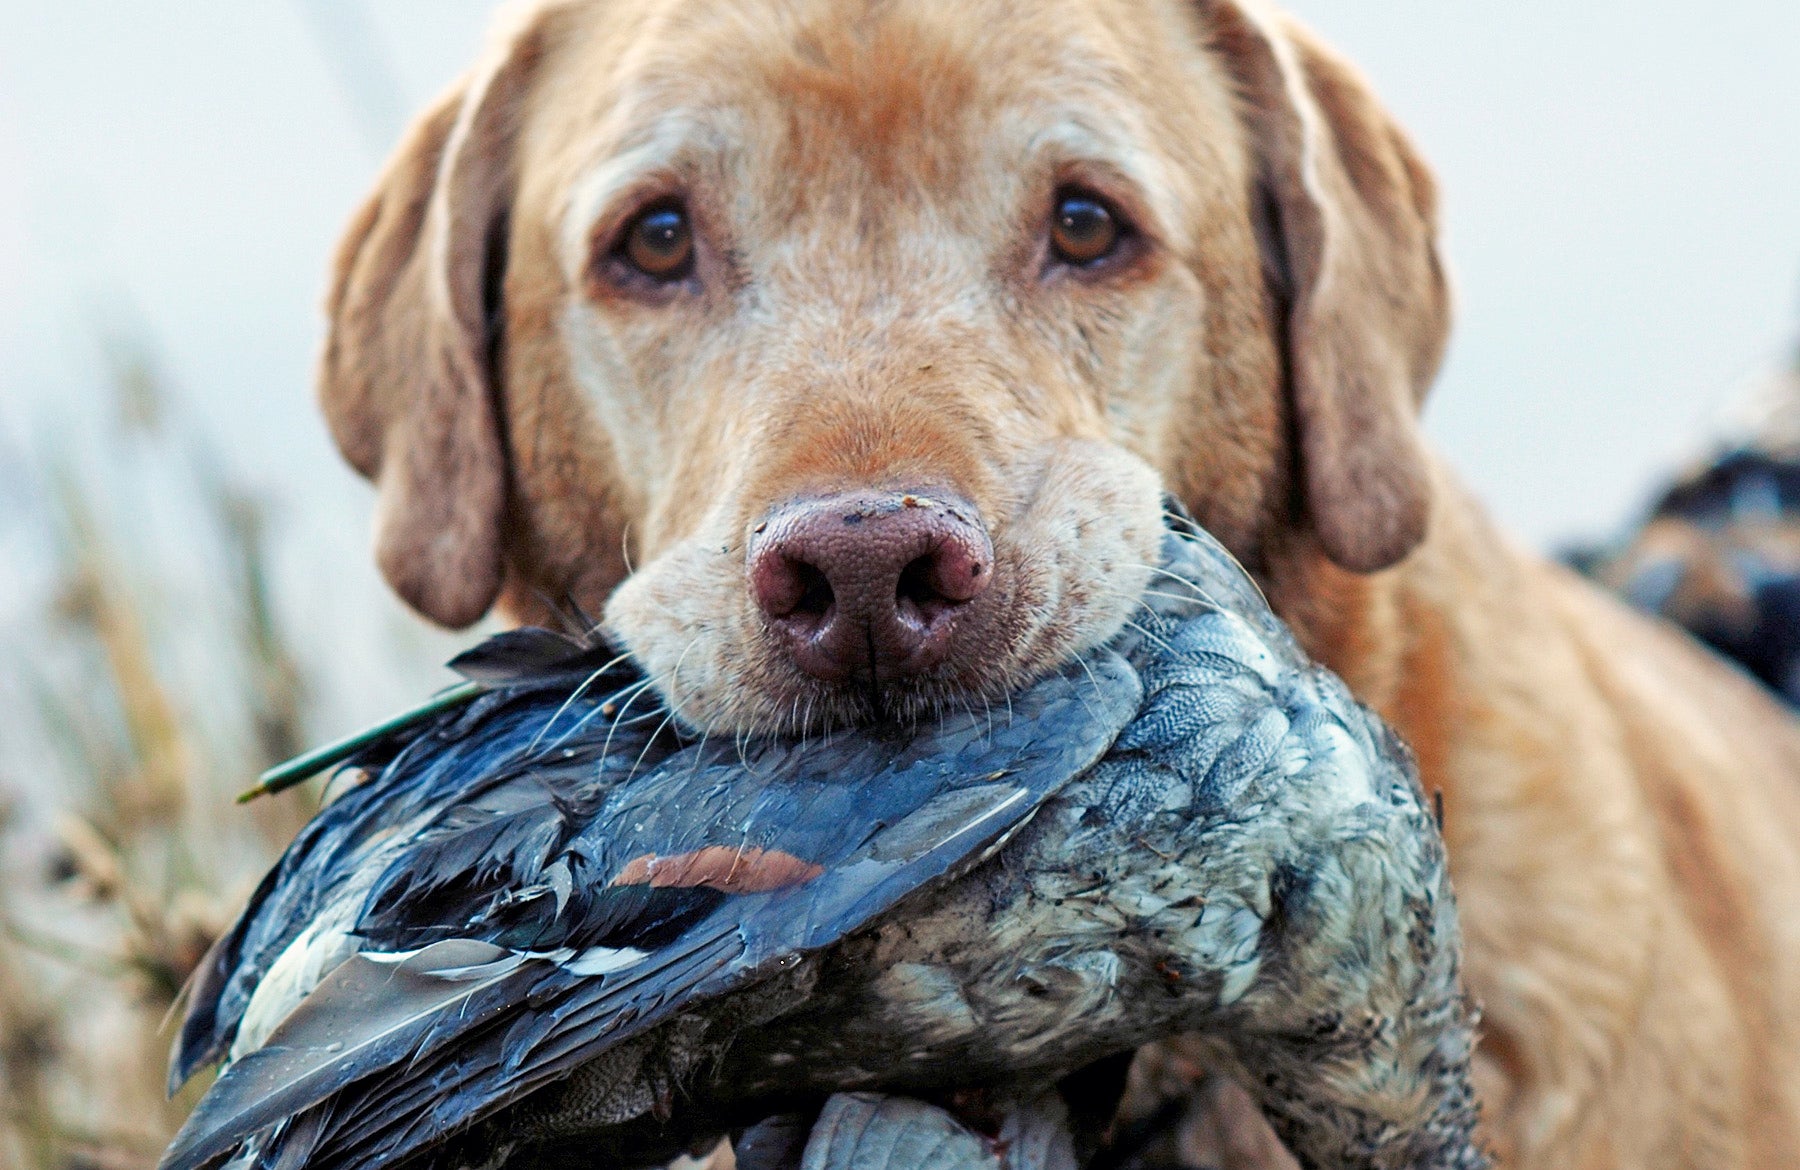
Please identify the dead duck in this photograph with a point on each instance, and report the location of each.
(548, 929)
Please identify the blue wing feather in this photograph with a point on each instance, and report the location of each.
(509, 824)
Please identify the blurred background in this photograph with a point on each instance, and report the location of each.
(185, 590)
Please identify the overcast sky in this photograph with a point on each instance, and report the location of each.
(1621, 181)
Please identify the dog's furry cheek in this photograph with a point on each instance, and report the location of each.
(1084, 545)
(683, 621)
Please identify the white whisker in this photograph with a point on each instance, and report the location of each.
(573, 695)
(635, 690)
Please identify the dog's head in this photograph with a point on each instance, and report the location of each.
(842, 349)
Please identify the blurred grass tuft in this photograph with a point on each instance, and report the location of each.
(144, 697)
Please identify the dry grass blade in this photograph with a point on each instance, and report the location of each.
(152, 676)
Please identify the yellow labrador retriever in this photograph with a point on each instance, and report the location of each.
(839, 351)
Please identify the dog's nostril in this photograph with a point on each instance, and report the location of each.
(815, 591)
(915, 583)
(922, 587)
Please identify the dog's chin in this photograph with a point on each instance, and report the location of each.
(1070, 569)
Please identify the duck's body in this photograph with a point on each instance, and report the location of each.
(542, 930)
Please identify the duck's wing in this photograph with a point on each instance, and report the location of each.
(425, 791)
(509, 934)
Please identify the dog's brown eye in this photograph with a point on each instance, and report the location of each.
(659, 243)
(1083, 230)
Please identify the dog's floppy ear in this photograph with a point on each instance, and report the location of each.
(407, 378)
(1350, 213)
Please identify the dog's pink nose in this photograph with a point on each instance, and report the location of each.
(869, 584)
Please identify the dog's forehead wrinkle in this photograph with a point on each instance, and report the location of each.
(812, 309)
(890, 86)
